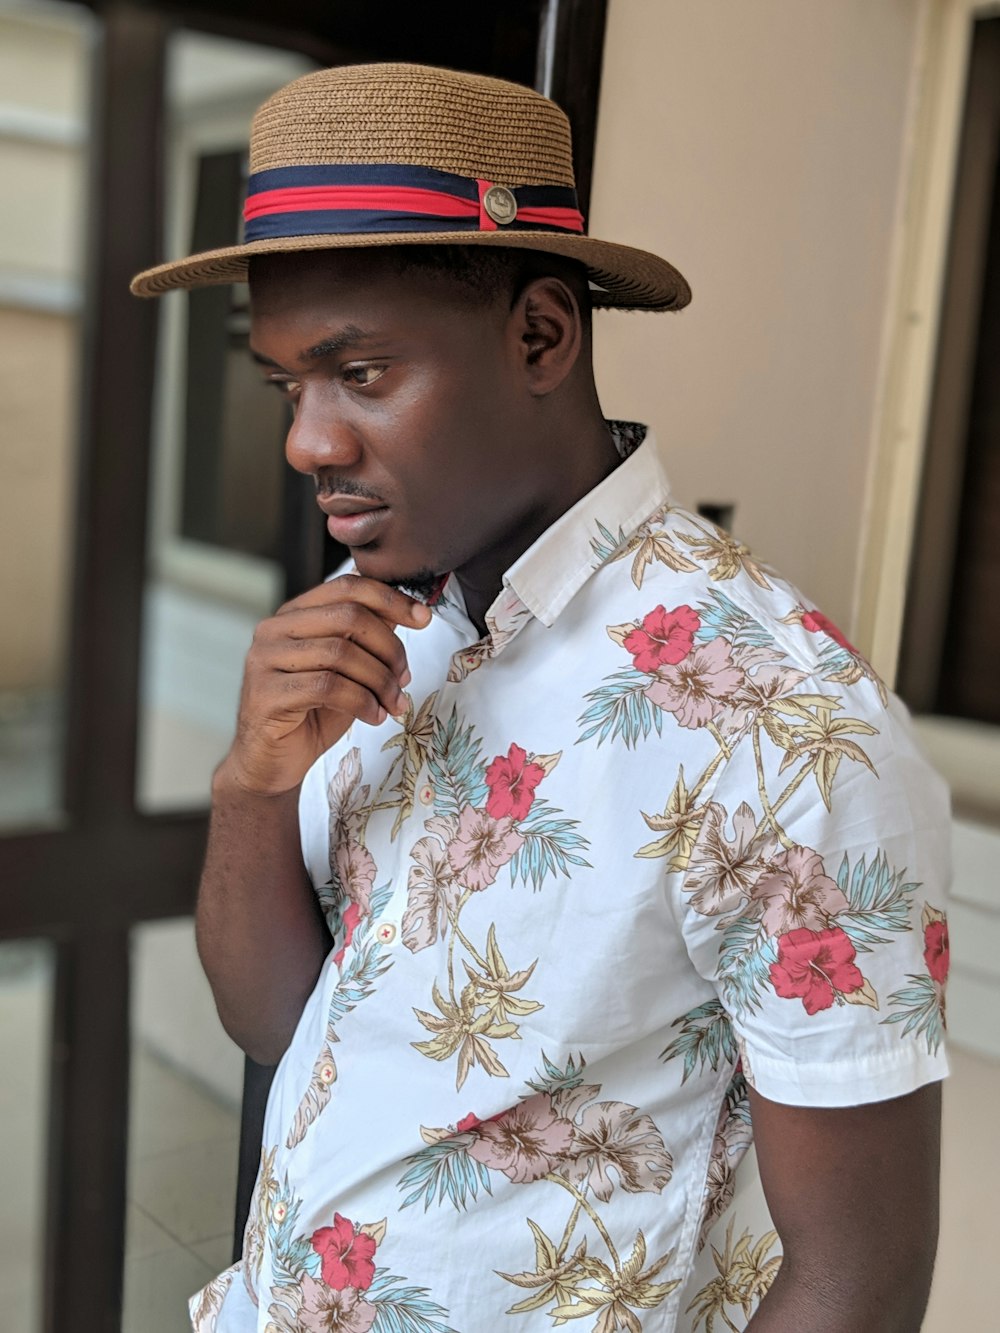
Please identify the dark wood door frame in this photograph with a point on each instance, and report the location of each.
(85, 880)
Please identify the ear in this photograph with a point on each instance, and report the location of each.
(546, 320)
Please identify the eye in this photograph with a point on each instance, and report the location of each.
(364, 375)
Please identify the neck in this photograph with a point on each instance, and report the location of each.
(589, 458)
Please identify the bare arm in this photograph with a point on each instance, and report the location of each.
(326, 659)
(853, 1193)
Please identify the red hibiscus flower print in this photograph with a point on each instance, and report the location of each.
(664, 639)
(351, 918)
(816, 622)
(937, 951)
(346, 1255)
(815, 965)
(512, 781)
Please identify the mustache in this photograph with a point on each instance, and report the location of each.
(331, 486)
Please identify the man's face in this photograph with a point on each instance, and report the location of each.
(411, 411)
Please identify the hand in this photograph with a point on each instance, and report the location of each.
(326, 659)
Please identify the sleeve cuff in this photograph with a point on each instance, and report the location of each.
(854, 1082)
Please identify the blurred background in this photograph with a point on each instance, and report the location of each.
(825, 172)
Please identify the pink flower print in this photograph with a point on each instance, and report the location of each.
(815, 965)
(694, 689)
(526, 1142)
(512, 782)
(481, 846)
(664, 638)
(937, 950)
(468, 1123)
(817, 623)
(796, 893)
(327, 1309)
(356, 872)
(757, 693)
(723, 871)
(346, 1255)
(616, 1136)
(351, 918)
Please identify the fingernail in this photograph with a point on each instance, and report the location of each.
(421, 613)
(380, 716)
(405, 678)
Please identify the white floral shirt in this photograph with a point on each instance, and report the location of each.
(660, 834)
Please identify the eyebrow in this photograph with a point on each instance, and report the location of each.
(349, 336)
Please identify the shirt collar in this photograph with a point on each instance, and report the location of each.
(554, 568)
(543, 581)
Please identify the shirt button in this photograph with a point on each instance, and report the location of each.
(386, 933)
(427, 794)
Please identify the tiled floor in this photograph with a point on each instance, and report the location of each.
(183, 1167)
(182, 1187)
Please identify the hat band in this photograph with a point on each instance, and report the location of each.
(355, 199)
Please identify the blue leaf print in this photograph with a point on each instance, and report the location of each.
(550, 846)
(723, 619)
(745, 957)
(879, 902)
(608, 544)
(620, 708)
(444, 1170)
(456, 766)
(403, 1309)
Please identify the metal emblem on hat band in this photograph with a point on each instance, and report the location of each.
(501, 205)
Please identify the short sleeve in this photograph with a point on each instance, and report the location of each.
(814, 896)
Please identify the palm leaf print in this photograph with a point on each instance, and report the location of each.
(705, 1039)
(745, 958)
(404, 1309)
(456, 767)
(721, 618)
(444, 1171)
(921, 1010)
(619, 707)
(550, 846)
(879, 902)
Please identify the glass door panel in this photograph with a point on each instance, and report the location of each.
(218, 477)
(26, 981)
(45, 76)
(185, 1086)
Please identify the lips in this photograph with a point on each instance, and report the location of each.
(353, 521)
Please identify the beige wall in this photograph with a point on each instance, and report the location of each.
(760, 147)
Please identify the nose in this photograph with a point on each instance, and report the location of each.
(320, 436)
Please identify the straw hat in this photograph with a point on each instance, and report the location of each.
(396, 154)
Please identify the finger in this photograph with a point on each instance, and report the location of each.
(392, 605)
(343, 658)
(348, 621)
(340, 694)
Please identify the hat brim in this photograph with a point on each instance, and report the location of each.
(626, 278)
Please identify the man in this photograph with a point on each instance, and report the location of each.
(560, 841)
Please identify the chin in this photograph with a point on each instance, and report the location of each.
(419, 580)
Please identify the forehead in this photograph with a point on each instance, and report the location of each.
(308, 298)
(341, 277)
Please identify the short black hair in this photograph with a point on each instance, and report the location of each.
(493, 273)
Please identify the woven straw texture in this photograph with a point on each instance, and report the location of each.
(464, 123)
(418, 115)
